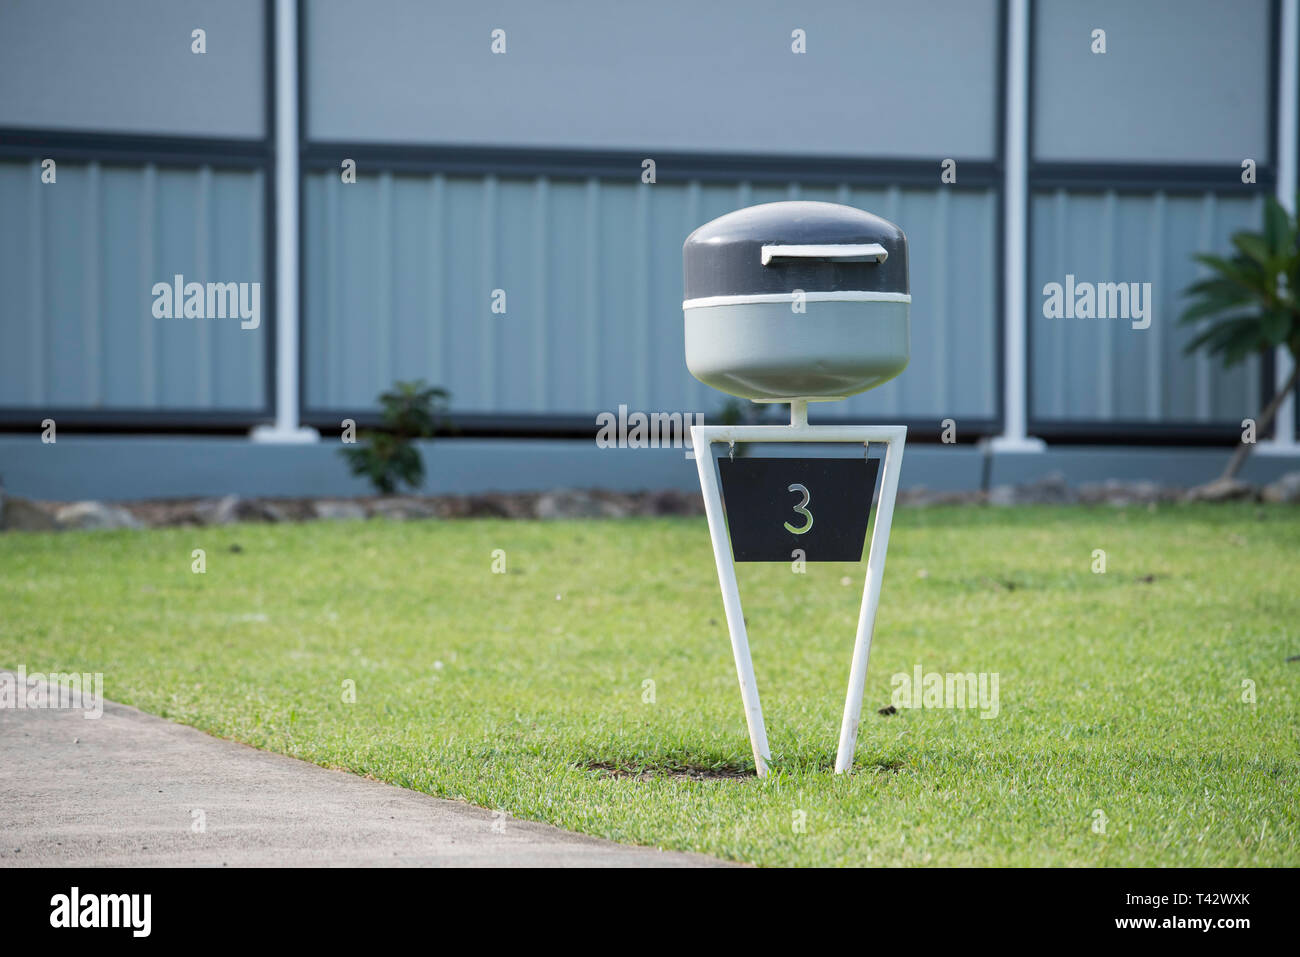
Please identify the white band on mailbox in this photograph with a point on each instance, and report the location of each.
(814, 296)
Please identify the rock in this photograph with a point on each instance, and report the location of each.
(338, 511)
(923, 497)
(672, 502)
(20, 515)
(488, 506)
(1222, 490)
(576, 503)
(1285, 491)
(159, 514)
(220, 511)
(265, 510)
(1002, 495)
(1050, 490)
(275, 512)
(94, 515)
(402, 507)
(1117, 492)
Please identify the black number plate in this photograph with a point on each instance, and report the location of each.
(819, 506)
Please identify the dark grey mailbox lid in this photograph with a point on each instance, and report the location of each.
(724, 257)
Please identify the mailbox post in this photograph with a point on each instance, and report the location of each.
(797, 302)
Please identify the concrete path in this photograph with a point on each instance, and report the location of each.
(121, 790)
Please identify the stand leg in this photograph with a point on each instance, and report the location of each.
(870, 599)
(731, 600)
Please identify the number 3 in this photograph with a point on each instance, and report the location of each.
(796, 487)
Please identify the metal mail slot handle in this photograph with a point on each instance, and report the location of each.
(867, 252)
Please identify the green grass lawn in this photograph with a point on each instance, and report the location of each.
(1120, 692)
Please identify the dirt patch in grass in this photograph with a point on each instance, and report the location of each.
(725, 772)
(682, 772)
(891, 765)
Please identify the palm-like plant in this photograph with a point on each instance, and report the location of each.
(1250, 298)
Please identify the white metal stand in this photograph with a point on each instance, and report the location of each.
(893, 437)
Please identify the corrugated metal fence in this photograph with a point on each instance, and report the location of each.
(78, 261)
(1105, 369)
(401, 271)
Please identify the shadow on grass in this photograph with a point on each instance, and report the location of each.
(676, 770)
(686, 767)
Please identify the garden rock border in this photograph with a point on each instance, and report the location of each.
(21, 514)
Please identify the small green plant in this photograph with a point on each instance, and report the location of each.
(1251, 297)
(388, 456)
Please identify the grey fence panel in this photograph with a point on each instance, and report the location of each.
(1105, 369)
(953, 258)
(128, 66)
(1181, 81)
(879, 78)
(401, 271)
(78, 261)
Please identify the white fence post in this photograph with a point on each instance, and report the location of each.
(1015, 191)
(287, 428)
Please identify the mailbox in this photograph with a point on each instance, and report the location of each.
(796, 300)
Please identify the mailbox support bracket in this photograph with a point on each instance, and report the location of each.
(893, 437)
